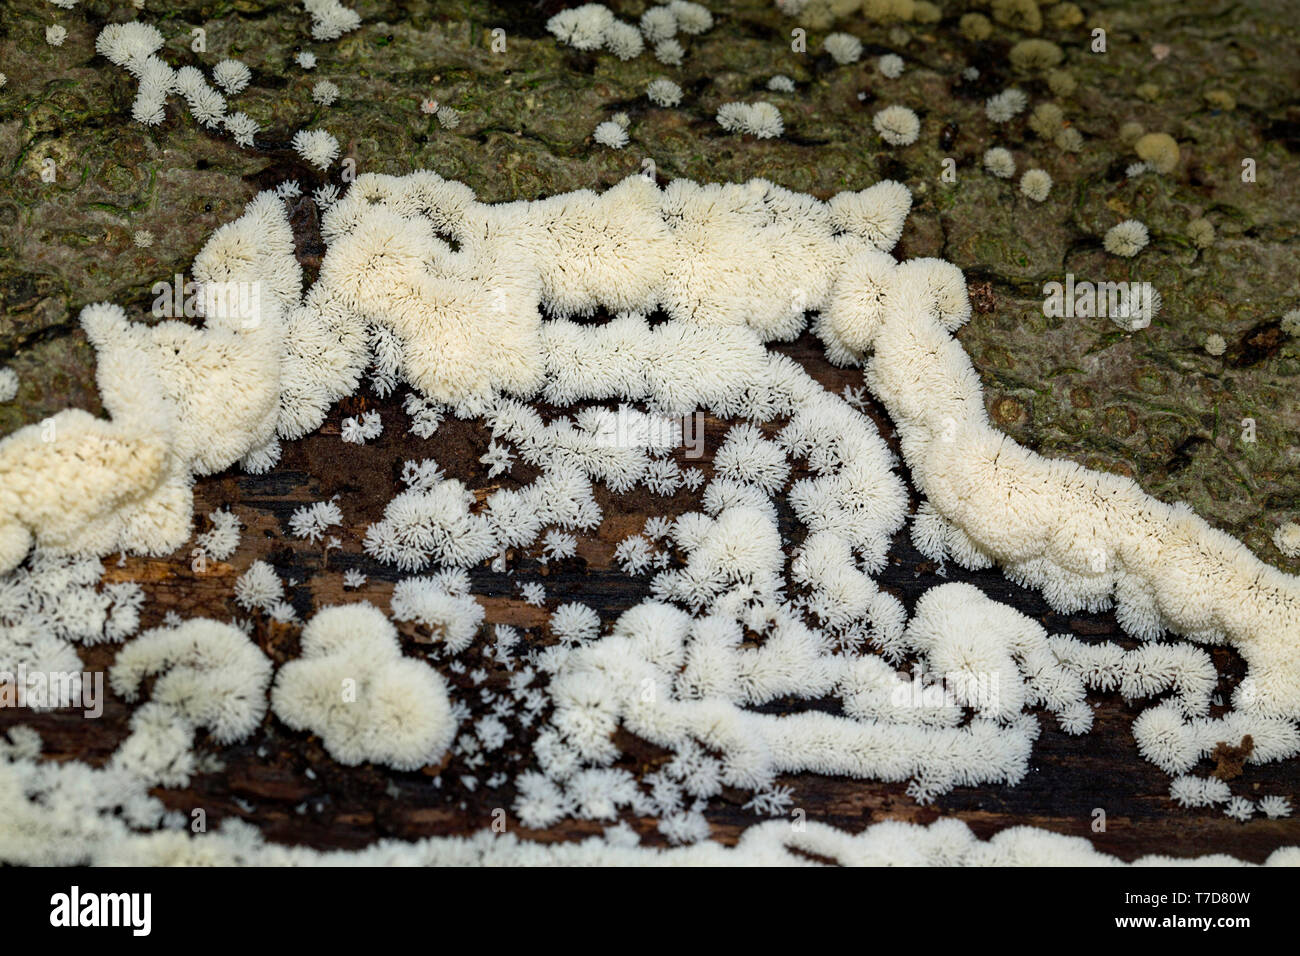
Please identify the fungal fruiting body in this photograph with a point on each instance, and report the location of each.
(482, 329)
(330, 19)
(1160, 150)
(325, 93)
(611, 133)
(316, 146)
(865, 303)
(1036, 184)
(207, 674)
(593, 26)
(1287, 539)
(891, 66)
(1126, 239)
(663, 92)
(897, 125)
(843, 48)
(999, 162)
(760, 120)
(354, 688)
(1201, 232)
(232, 76)
(1006, 105)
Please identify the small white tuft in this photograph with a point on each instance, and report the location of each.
(316, 146)
(890, 66)
(8, 384)
(325, 93)
(844, 48)
(1005, 105)
(232, 76)
(999, 162)
(1036, 184)
(611, 134)
(897, 125)
(1126, 239)
(761, 120)
(663, 92)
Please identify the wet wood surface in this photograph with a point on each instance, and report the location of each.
(285, 783)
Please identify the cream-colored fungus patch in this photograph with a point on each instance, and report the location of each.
(353, 687)
(474, 305)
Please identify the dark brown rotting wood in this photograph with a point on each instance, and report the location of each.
(1230, 761)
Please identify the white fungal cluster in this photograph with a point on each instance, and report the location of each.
(87, 816)
(761, 120)
(232, 76)
(185, 400)
(50, 604)
(325, 93)
(443, 605)
(890, 66)
(8, 385)
(360, 429)
(220, 541)
(259, 588)
(1087, 540)
(593, 26)
(1126, 239)
(1189, 791)
(316, 146)
(999, 162)
(843, 48)
(1174, 744)
(897, 125)
(859, 314)
(1005, 106)
(206, 675)
(1036, 184)
(1286, 538)
(312, 521)
(354, 689)
(611, 133)
(134, 46)
(558, 545)
(330, 19)
(664, 92)
(483, 329)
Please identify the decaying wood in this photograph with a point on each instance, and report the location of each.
(285, 783)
